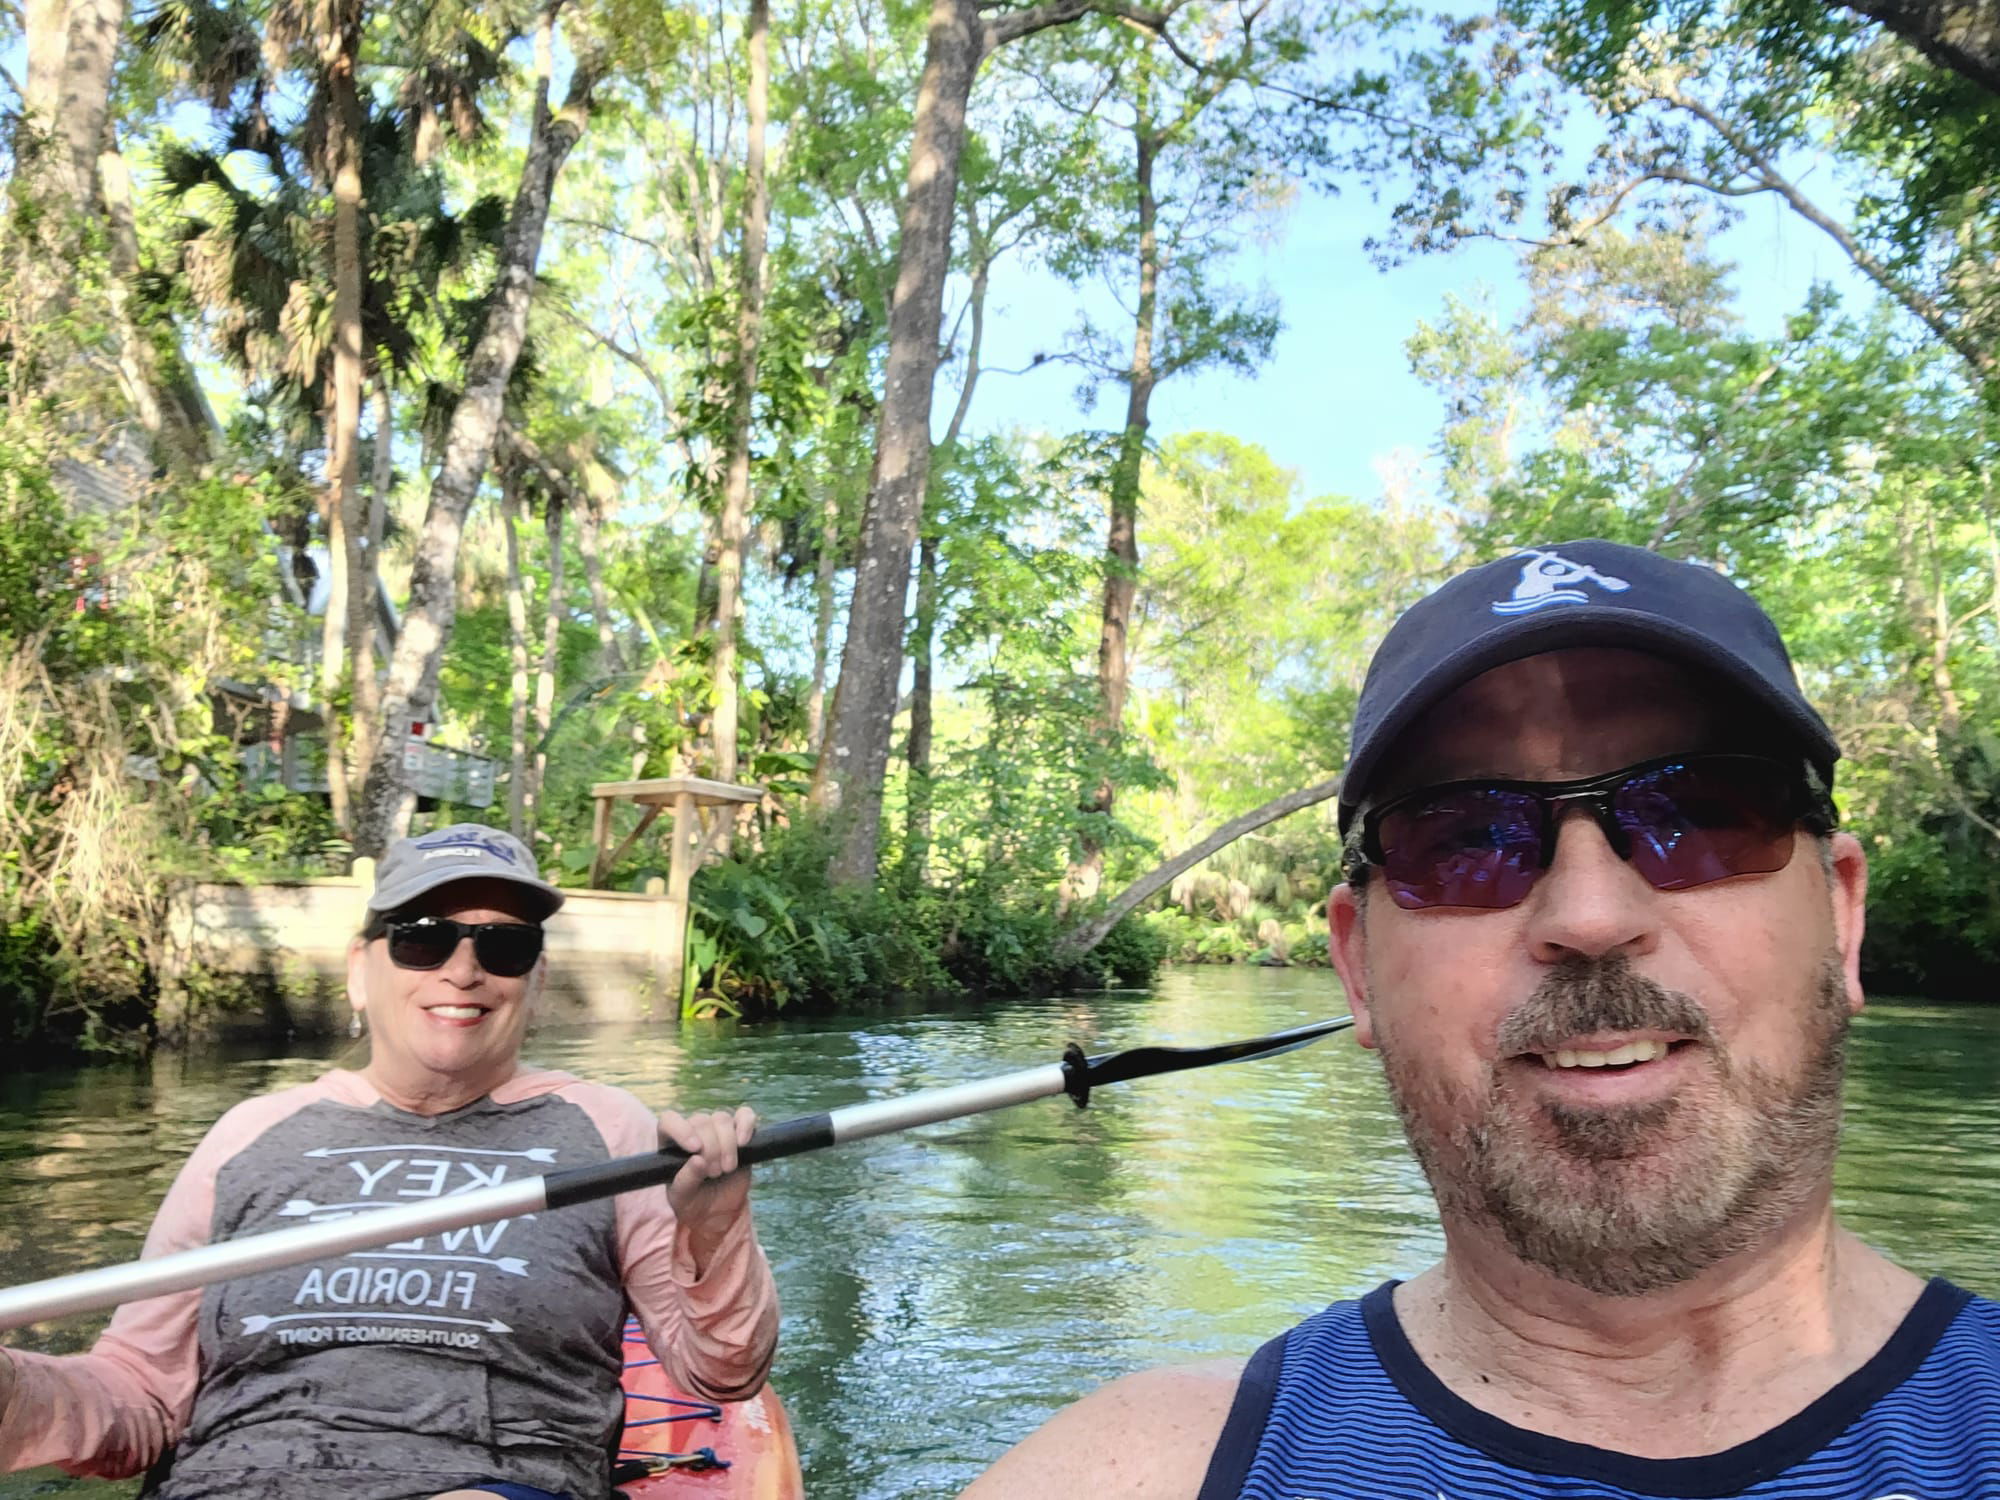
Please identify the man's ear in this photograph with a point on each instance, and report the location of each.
(1347, 946)
(1847, 885)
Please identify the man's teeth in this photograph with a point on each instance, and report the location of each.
(458, 1012)
(1631, 1052)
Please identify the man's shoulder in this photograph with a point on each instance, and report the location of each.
(1144, 1436)
(1976, 1328)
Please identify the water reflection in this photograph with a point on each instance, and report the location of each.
(946, 1289)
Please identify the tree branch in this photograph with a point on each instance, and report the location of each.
(1961, 35)
(1011, 26)
(1080, 940)
(1928, 312)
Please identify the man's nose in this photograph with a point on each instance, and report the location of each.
(1590, 903)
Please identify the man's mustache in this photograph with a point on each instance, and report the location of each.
(1580, 996)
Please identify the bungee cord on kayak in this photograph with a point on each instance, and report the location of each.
(637, 1463)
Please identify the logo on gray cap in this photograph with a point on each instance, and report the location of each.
(465, 851)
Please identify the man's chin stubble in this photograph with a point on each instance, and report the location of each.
(1631, 1200)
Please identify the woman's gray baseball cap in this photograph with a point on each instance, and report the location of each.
(1585, 593)
(413, 867)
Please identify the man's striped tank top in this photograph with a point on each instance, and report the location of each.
(1341, 1408)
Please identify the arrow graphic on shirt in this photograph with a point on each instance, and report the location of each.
(258, 1322)
(301, 1208)
(513, 1265)
(536, 1153)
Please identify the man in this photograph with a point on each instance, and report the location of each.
(1600, 927)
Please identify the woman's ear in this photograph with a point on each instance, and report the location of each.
(357, 974)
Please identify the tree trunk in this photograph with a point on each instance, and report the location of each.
(849, 777)
(45, 27)
(545, 680)
(517, 649)
(923, 636)
(572, 496)
(160, 383)
(72, 46)
(387, 802)
(588, 533)
(923, 628)
(749, 331)
(367, 575)
(69, 177)
(857, 753)
(333, 638)
(823, 571)
(1121, 548)
(1079, 941)
(1962, 35)
(94, 27)
(347, 602)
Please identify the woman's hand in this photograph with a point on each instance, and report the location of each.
(711, 1192)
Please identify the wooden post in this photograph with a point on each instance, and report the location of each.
(600, 837)
(699, 809)
(680, 873)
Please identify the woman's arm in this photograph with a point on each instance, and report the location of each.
(702, 1289)
(112, 1411)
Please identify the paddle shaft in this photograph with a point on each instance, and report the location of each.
(108, 1286)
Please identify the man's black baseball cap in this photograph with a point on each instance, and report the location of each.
(1587, 593)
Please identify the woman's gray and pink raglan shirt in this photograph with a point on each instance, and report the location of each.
(488, 1352)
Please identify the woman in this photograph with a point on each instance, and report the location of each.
(466, 1365)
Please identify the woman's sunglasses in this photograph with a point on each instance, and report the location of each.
(1681, 821)
(505, 949)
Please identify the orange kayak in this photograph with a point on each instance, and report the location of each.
(690, 1448)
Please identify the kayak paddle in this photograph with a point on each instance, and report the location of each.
(1076, 1075)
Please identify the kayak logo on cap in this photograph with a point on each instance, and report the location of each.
(1548, 579)
(463, 846)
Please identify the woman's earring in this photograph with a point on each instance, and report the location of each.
(354, 1023)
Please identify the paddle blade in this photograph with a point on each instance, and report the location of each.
(1086, 1073)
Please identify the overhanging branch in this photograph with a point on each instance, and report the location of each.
(1080, 940)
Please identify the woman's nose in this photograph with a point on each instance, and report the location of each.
(462, 968)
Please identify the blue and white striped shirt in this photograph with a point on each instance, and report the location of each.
(1341, 1408)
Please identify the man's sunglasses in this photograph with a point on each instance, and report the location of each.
(1681, 821)
(504, 949)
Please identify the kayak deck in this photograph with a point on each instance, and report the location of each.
(723, 1450)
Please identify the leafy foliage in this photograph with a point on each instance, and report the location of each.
(1840, 472)
(1838, 465)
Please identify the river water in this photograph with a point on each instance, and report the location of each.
(946, 1289)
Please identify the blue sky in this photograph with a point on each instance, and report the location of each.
(1338, 398)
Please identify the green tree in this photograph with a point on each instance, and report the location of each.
(1838, 471)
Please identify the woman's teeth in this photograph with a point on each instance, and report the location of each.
(458, 1012)
(1630, 1052)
